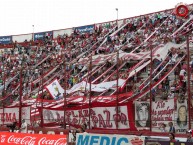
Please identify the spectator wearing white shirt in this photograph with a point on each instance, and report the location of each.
(23, 128)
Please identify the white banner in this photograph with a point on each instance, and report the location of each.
(107, 139)
(142, 115)
(101, 117)
(11, 115)
(101, 87)
(55, 90)
(162, 112)
(182, 116)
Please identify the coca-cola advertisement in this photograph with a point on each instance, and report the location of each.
(31, 139)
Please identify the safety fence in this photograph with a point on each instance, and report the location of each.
(59, 136)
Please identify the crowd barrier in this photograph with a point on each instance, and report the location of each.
(61, 136)
(154, 142)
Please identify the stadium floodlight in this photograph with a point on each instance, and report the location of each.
(33, 33)
(117, 12)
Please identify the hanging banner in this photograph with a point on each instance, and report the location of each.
(162, 112)
(55, 90)
(142, 115)
(42, 35)
(182, 116)
(85, 29)
(101, 87)
(107, 139)
(101, 117)
(10, 115)
(5, 39)
(32, 139)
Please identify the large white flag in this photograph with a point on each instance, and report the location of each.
(55, 90)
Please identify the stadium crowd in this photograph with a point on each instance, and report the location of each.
(41, 61)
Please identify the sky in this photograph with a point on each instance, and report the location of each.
(18, 16)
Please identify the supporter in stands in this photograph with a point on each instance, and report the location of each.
(189, 136)
(84, 127)
(172, 137)
(23, 128)
(163, 127)
(172, 128)
(12, 126)
(79, 130)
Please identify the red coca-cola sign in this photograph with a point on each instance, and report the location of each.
(32, 139)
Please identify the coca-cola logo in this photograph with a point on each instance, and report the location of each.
(60, 141)
(27, 140)
(32, 139)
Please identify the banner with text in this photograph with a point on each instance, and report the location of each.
(162, 112)
(5, 39)
(42, 35)
(182, 116)
(32, 139)
(142, 115)
(85, 29)
(10, 115)
(103, 117)
(107, 139)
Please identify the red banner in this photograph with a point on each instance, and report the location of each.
(32, 139)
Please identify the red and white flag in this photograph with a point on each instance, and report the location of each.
(55, 89)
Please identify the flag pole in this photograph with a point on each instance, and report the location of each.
(188, 80)
(42, 97)
(117, 96)
(4, 94)
(20, 94)
(90, 91)
(64, 95)
(150, 88)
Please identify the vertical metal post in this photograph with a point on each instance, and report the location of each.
(150, 88)
(20, 95)
(188, 81)
(117, 16)
(90, 85)
(42, 78)
(64, 95)
(33, 33)
(4, 94)
(117, 94)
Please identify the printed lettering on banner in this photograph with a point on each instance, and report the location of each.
(162, 112)
(101, 117)
(106, 139)
(9, 115)
(42, 35)
(85, 29)
(32, 139)
(5, 39)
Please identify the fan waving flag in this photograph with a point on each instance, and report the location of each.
(55, 90)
